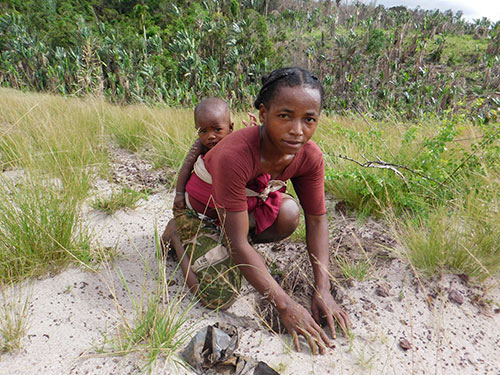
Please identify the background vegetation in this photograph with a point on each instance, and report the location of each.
(436, 182)
(420, 89)
(371, 59)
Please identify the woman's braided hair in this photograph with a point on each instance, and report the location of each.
(290, 77)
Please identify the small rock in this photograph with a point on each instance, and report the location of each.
(404, 344)
(280, 246)
(464, 278)
(341, 207)
(349, 283)
(369, 306)
(456, 296)
(382, 290)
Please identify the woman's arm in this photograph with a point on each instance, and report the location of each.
(323, 304)
(185, 173)
(295, 317)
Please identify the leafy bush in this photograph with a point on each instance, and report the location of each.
(371, 59)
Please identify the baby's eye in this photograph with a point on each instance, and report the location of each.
(202, 131)
(218, 129)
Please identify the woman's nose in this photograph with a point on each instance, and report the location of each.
(296, 127)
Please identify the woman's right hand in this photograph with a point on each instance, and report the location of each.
(298, 321)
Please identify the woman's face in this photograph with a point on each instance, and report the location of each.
(292, 118)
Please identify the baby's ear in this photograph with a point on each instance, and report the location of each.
(231, 127)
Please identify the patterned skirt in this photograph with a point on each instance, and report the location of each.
(207, 246)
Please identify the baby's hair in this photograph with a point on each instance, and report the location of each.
(210, 104)
(290, 77)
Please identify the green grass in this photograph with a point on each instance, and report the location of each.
(14, 316)
(39, 229)
(461, 49)
(351, 269)
(158, 328)
(128, 131)
(124, 198)
(59, 136)
(460, 237)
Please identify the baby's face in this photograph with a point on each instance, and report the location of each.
(213, 127)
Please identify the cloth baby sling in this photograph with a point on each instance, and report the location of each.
(219, 279)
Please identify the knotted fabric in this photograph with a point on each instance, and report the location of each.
(263, 195)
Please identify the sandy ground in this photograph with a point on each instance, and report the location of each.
(451, 326)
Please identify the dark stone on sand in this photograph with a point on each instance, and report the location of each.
(382, 290)
(456, 296)
(464, 278)
(341, 207)
(404, 344)
(369, 306)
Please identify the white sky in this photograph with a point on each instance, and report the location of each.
(472, 10)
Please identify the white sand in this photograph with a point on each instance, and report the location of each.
(70, 311)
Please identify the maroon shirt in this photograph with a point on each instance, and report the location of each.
(234, 163)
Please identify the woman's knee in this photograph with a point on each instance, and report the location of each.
(288, 217)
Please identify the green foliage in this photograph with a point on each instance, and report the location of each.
(178, 62)
(376, 41)
(432, 166)
(125, 198)
(439, 180)
(371, 59)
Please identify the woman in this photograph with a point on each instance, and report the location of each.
(289, 105)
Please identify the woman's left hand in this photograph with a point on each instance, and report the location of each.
(323, 305)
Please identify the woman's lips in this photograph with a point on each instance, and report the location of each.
(292, 143)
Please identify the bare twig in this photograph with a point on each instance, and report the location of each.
(393, 167)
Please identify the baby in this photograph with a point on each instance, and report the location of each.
(212, 120)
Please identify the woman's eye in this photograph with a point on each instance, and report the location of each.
(283, 115)
(310, 120)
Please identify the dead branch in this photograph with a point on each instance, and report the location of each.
(393, 167)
